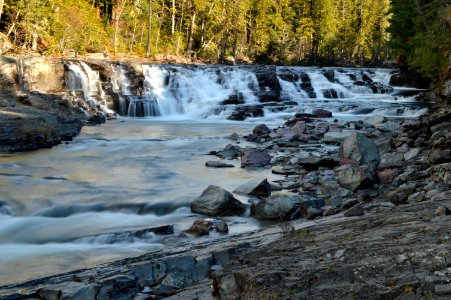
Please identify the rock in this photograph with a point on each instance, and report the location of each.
(442, 211)
(443, 289)
(389, 126)
(218, 164)
(336, 136)
(386, 176)
(234, 137)
(391, 160)
(215, 201)
(439, 156)
(412, 154)
(360, 148)
(277, 207)
(313, 162)
(312, 213)
(251, 157)
(416, 197)
(258, 132)
(355, 211)
(443, 171)
(329, 211)
(330, 75)
(221, 227)
(299, 128)
(330, 93)
(229, 152)
(374, 120)
(281, 207)
(397, 197)
(256, 187)
(200, 227)
(322, 113)
(355, 177)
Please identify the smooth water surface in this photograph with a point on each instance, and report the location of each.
(62, 208)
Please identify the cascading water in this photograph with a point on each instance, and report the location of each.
(82, 78)
(217, 92)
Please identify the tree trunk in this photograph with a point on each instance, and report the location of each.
(149, 34)
(189, 47)
(1, 8)
(173, 18)
(160, 23)
(117, 12)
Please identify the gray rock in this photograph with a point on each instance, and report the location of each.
(356, 210)
(360, 148)
(390, 160)
(355, 177)
(218, 164)
(443, 289)
(277, 207)
(255, 187)
(336, 137)
(389, 126)
(215, 201)
(412, 154)
(374, 120)
(258, 132)
(251, 157)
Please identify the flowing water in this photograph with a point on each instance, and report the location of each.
(84, 202)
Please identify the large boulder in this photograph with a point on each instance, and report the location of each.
(355, 177)
(360, 148)
(255, 187)
(251, 157)
(215, 201)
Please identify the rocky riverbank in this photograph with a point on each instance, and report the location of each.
(362, 212)
(36, 111)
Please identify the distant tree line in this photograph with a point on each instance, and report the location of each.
(270, 31)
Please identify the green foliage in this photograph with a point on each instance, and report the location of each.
(279, 31)
(420, 35)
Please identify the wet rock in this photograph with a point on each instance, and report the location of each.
(229, 152)
(251, 157)
(313, 162)
(215, 201)
(330, 94)
(398, 197)
(218, 164)
(221, 227)
(355, 177)
(330, 75)
(299, 128)
(360, 148)
(255, 187)
(322, 113)
(200, 227)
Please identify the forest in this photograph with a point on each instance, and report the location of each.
(353, 32)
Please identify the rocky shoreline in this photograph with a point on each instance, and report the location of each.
(363, 212)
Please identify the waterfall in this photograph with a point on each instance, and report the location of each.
(238, 92)
(82, 78)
